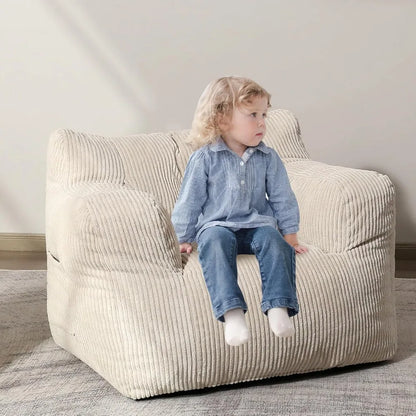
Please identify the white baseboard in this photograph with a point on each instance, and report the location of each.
(22, 242)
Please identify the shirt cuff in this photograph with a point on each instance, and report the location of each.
(186, 240)
(290, 230)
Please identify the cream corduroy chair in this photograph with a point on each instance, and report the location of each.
(114, 262)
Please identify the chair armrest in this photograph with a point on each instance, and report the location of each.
(103, 226)
(342, 208)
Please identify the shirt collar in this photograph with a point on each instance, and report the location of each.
(220, 145)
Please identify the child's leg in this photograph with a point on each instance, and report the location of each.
(217, 247)
(278, 273)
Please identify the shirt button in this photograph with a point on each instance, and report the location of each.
(243, 182)
(242, 163)
(251, 150)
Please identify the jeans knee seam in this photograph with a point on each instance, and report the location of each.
(232, 251)
(257, 251)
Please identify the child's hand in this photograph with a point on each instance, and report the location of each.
(185, 248)
(300, 249)
(292, 239)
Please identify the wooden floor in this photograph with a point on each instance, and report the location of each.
(22, 260)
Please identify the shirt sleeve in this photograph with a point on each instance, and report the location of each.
(191, 199)
(281, 196)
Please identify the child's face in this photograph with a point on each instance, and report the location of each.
(246, 127)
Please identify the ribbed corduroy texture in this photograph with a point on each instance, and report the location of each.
(122, 299)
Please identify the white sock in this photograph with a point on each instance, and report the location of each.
(236, 331)
(280, 323)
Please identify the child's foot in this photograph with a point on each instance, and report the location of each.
(280, 323)
(236, 331)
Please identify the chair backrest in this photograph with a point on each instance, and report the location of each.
(152, 163)
(146, 162)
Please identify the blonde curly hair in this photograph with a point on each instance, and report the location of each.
(220, 97)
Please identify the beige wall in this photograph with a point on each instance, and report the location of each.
(345, 68)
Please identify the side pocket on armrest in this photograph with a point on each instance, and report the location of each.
(54, 257)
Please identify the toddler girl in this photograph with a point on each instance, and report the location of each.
(235, 198)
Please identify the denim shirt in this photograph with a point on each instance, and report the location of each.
(220, 188)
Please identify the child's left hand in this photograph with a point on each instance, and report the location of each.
(299, 249)
(292, 239)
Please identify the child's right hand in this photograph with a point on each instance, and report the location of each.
(185, 248)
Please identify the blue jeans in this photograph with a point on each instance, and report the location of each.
(218, 248)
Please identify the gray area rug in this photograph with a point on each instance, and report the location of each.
(39, 378)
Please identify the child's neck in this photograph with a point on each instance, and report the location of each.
(240, 152)
(237, 148)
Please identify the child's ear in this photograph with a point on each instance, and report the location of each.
(223, 122)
